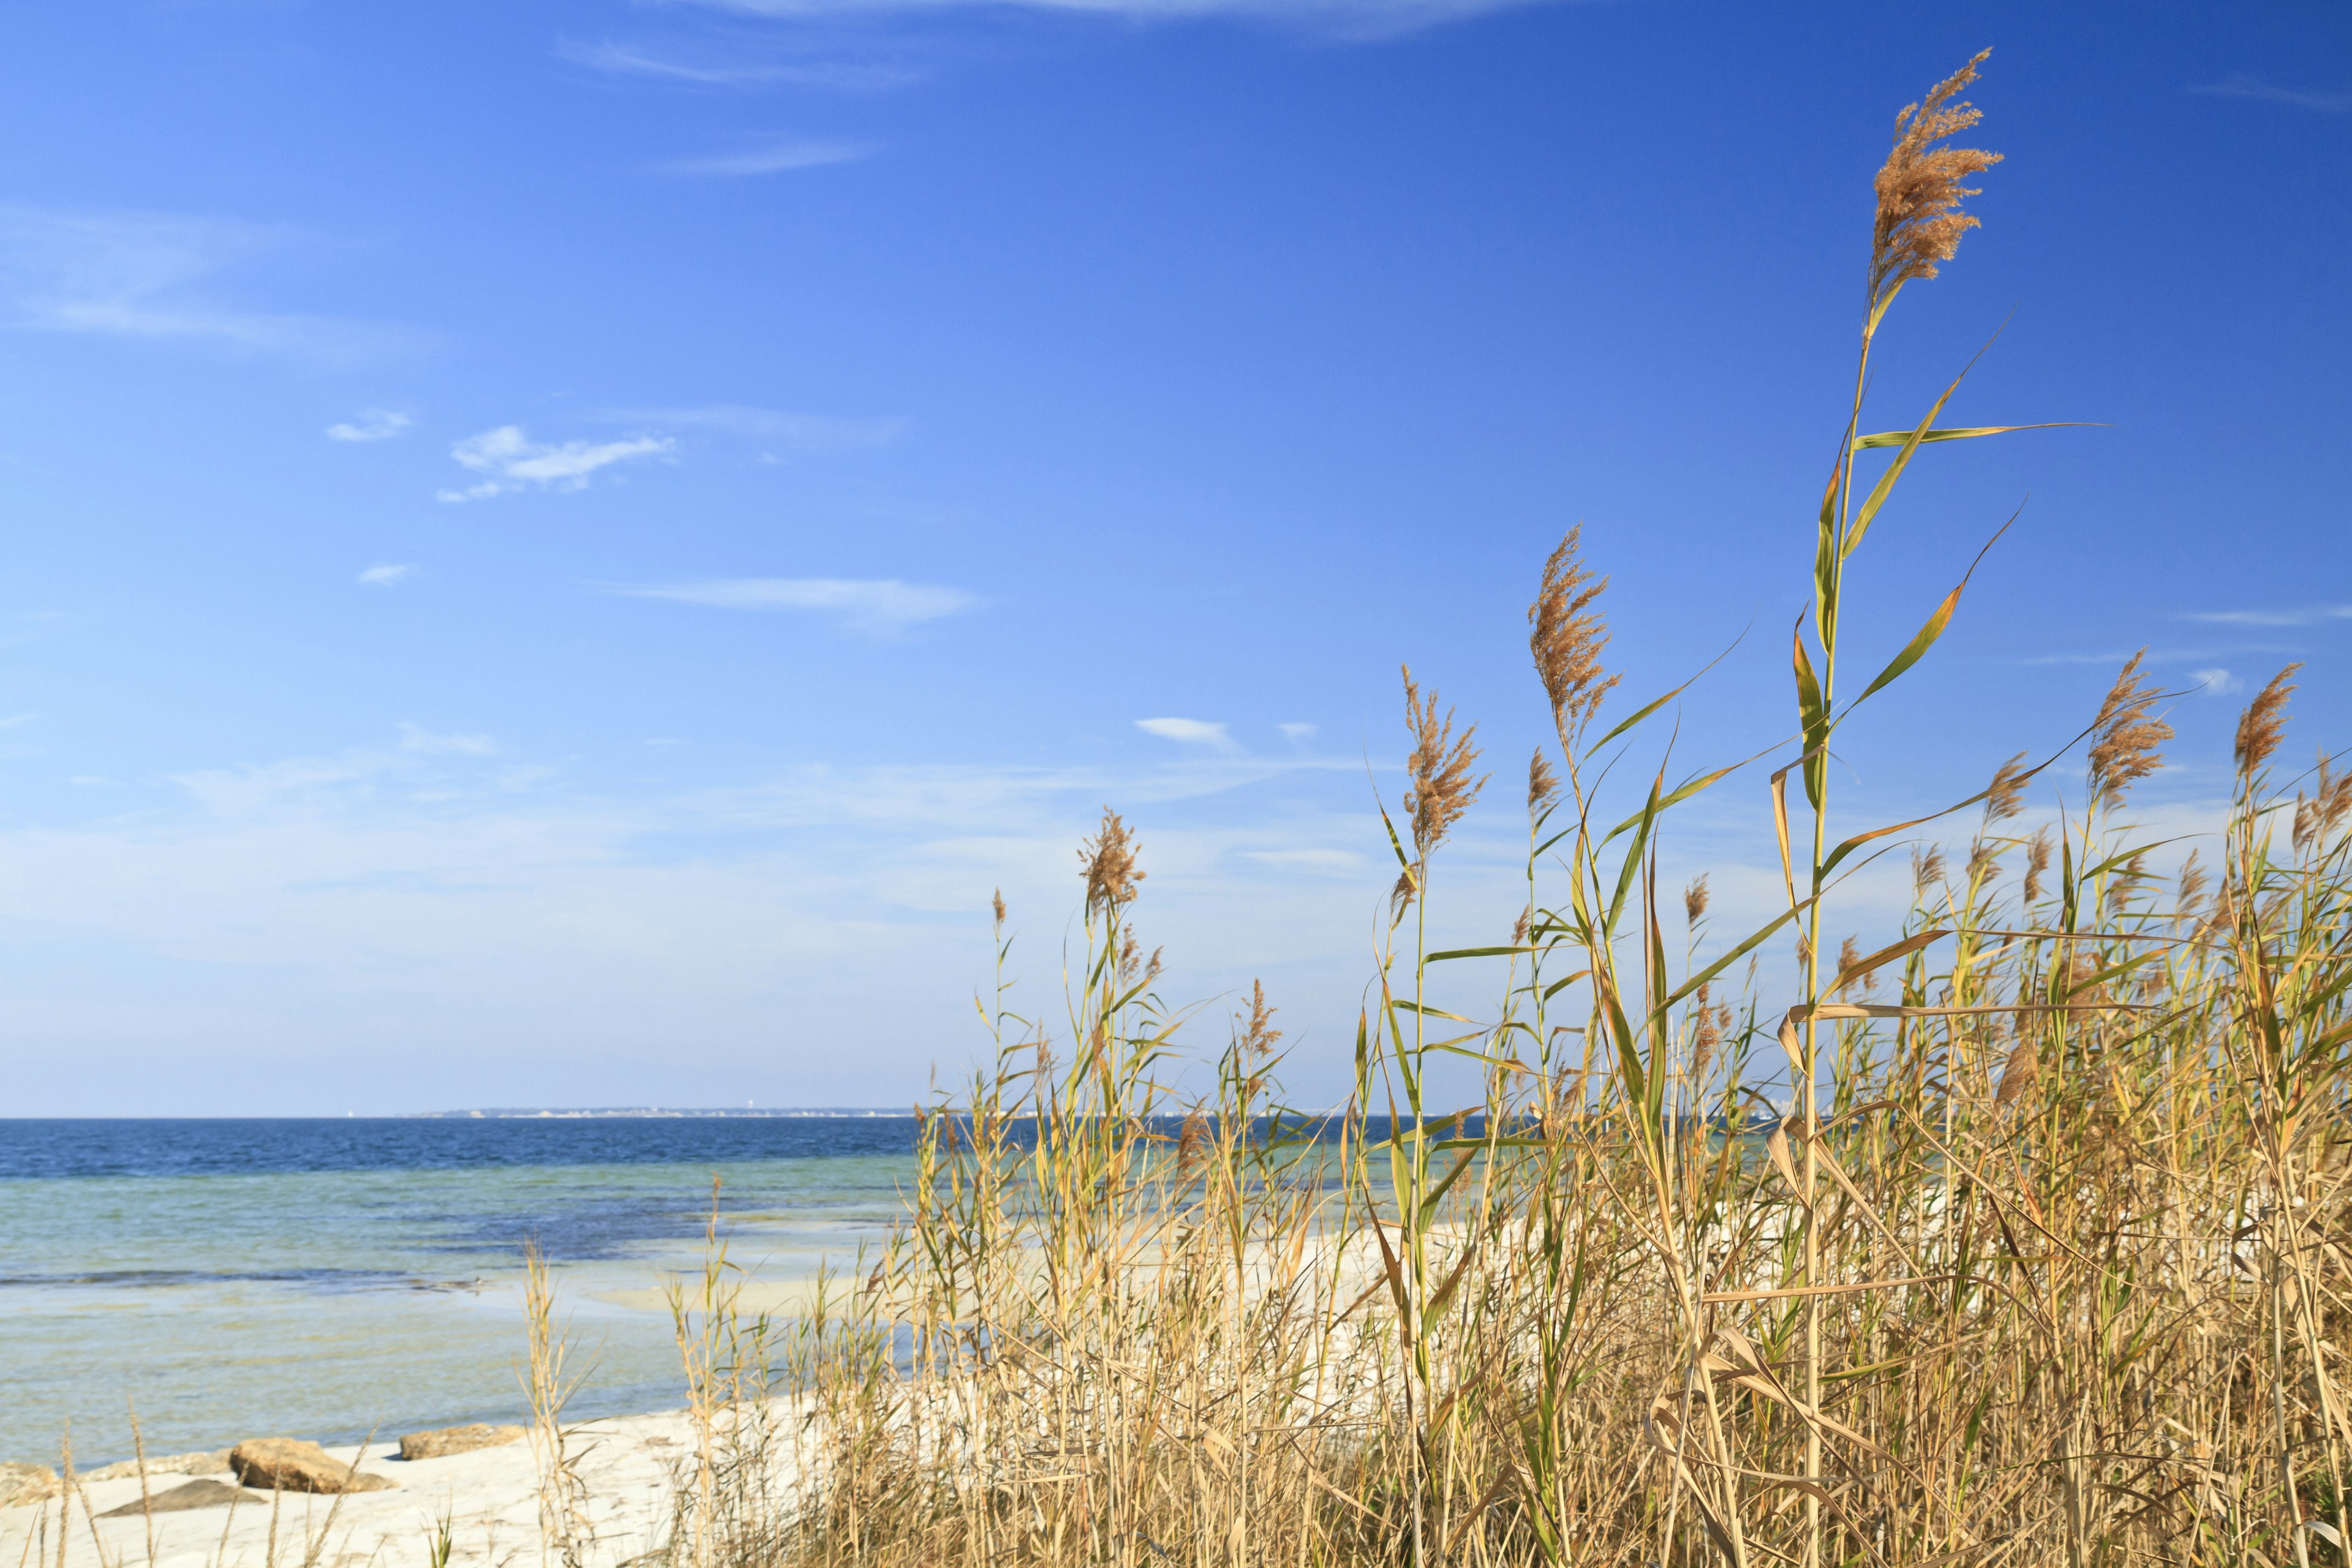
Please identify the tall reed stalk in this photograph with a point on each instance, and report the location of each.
(2018, 1234)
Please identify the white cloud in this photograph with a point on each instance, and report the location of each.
(775, 158)
(424, 743)
(841, 75)
(12, 720)
(1358, 19)
(2309, 616)
(2245, 84)
(798, 432)
(2215, 682)
(877, 607)
(1296, 733)
(372, 425)
(384, 576)
(154, 276)
(513, 461)
(1189, 733)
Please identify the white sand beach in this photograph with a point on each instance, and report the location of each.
(489, 1497)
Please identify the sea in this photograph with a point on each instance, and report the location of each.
(225, 1280)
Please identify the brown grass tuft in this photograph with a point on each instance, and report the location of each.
(2006, 796)
(1107, 864)
(1543, 785)
(2263, 721)
(2124, 750)
(1567, 638)
(1439, 764)
(1919, 190)
(1695, 898)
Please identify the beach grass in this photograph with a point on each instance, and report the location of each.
(2017, 1239)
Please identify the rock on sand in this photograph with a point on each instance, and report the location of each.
(444, 1441)
(195, 1494)
(211, 1462)
(291, 1465)
(26, 1483)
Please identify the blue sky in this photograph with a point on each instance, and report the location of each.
(559, 553)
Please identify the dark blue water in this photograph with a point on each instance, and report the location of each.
(34, 1149)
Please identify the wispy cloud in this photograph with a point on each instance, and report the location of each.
(799, 432)
(384, 576)
(2216, 682)
(1351, 19)
(510, 460)
(1189, 733)
(424, 743)
(1297, 734)
(372, 425)
(2245, 84)
(774, 158)
(661, 65)
(2309, 616)
(880, 607)
(155, 277)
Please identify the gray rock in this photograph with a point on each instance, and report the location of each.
(447, 1440)
(211, 1462)
(23, 1483)
(195, 1494)
(291, 1465)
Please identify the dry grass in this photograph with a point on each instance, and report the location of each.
(2020, 1238)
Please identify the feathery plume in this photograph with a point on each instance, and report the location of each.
(1695, 898)
(2037, 861)
(1107, 862)
(2262, 722)
(1984, 861)
(1850, 955)
(1927, 866)
(1257, 1033)
(1401, 897)
(997, 905)
(2005, 796)
(2193, 883)
(1567, 638)
(1919, 190)
(1711, 1021)
(1519, 929)
(1543, 788)
(2124, 750)
(1440, 763)
(1191, 1139)
(2332, 796)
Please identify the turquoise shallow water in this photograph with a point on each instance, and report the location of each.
(318, 1280)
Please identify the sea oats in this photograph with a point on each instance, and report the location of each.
(1107, 864)
(2262, 722)
(1566, 637)
(2037, 861)
(2125, 737)
(1543, 786)
(1695, 899)
(1919, 190)
(1439, 765)
(2005, 797)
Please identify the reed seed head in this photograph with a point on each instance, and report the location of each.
(996, 904)
(1927, 866)
(2125, 749)
(2193, 883)
(1106, 863)
(1543, 786)
(1919, 190)
(2005, 797)
(1984, 861)
(1566, 636)
(1440, 765)
(1694, 899)
(2263, 721)
(1519, 929)
(1257, 1033)
(2037, 861)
